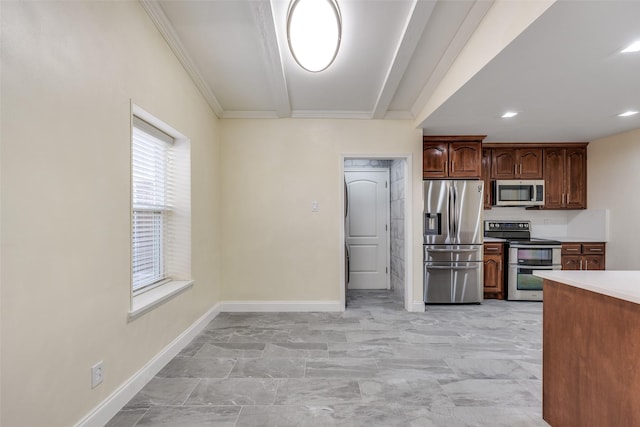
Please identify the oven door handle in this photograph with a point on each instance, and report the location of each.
(525, 246)
(536, 267)
(454, 250)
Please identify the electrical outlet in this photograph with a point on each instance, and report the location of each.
(97, 374)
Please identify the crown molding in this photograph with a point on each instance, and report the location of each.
(162, 23)
(331, 114)
(250, 115)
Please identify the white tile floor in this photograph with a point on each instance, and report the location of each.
(373, 365)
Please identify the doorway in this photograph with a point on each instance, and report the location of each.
(362, 257)
(367, 228)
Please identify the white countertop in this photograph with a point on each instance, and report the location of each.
(563, 239)
(571, 239)
(624, 285)
(493, 240)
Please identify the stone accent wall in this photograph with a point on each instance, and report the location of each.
(397, 175)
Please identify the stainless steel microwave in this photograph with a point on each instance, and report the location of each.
(514, 192)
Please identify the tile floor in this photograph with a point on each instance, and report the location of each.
(373, 365)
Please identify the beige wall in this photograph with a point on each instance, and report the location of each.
(614, 184)
(69, 71)
(275, 248)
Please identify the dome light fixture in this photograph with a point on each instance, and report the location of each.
(314, 31)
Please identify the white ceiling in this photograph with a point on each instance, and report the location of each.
(563, 74)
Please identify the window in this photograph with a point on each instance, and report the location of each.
(151, 192)
(161, 207)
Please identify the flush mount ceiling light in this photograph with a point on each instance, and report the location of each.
(633, 47)
(628, 113)
(314, 30)
(509, 114)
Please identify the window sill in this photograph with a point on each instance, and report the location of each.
(151, 299)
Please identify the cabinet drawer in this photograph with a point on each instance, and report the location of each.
(571, 248)
(492, 248)
(592, 248)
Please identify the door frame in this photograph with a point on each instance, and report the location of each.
(408, 225)
(387, 213)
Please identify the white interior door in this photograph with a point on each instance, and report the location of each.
(367, 228)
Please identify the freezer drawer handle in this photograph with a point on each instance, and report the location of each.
(452, 268)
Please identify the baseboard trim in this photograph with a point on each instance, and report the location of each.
(417, 307)
(123, 394)
(288, 306)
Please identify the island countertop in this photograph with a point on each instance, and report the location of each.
(624, 285)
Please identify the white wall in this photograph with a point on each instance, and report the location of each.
(69, 71)
(275, 248)
(613, 183)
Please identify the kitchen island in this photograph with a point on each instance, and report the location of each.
(591, 348)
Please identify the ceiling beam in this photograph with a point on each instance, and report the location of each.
(159, 18)
(411, 34)
(498, 27)
(462, 36)
(263, 13)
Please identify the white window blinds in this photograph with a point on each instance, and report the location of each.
(152, 200)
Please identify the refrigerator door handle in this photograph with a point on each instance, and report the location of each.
(450, 222)
(444, 267)
(455, 210)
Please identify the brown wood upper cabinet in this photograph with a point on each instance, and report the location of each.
(452, 156)
(516, 163)
(486, 176)
(565, 175)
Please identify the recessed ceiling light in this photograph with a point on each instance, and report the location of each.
(627, 113)
(633, 47)
(509, 114)
(314, 30)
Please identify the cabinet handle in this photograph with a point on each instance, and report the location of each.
(586, 264)
(580, 264)
(453, 165)
(515, 167)
(595, 249)
(520, 168)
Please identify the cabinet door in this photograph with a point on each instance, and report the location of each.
(593, 262)
(486, 176)
(576, 178)
(571, 262)
(493, 274)
(435, 160)
(554, 178)
(529, 163)
(503, 163)
(465, 160)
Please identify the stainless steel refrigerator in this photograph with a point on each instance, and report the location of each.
(453, 236)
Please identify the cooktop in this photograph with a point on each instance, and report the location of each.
(514, 232)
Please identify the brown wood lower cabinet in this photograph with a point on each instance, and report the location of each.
(583, 256)
(493, 271)
(590, 363)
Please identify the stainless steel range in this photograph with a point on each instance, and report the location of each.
(524, 255)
